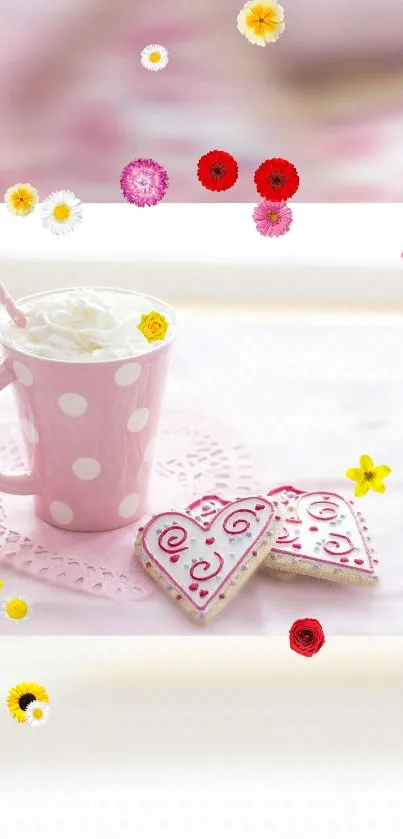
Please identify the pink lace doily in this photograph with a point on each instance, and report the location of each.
(194, 457)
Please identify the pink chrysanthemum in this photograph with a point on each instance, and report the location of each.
(144, 182)
(272, 218)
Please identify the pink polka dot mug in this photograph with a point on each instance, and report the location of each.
(89, 429)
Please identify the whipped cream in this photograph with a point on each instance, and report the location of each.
(84, 324)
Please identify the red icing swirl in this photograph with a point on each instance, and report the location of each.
(323, 510)
(334, 546)
(173, 543)
(208, 574)
(240, 525)
(286, 538)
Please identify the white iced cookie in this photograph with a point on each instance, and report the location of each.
(203, 562)
(322, 536)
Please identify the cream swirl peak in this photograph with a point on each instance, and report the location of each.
(84, 324)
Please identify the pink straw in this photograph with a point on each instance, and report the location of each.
(15, 313)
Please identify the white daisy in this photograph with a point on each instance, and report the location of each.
(16, 608)
(154, 57)
(37, 713)
(61, 212)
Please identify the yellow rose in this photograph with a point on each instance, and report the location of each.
(153, 326)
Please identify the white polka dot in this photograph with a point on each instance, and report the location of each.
(61, 512)
(138, 420)
(127, 374)
(29, 430)
(128, 506)
(86, 468)
(149, 450)
(73, 404)
(24, 375)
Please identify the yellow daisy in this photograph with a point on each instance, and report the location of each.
(22, 695)
(368, 476)
(261, 23)
(15, 608)
(21, 199)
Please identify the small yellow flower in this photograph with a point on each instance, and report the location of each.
(153, 326)
(1, 583)
(261, 23)
(15, 608)
(368, 476)
(21, 199)
(22, 695)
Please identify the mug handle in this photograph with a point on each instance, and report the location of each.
(15, 483)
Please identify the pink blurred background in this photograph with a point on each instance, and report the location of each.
(76, 105)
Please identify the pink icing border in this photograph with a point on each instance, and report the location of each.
(200, 501)
(205, 529)
(297, 491)
(317, 560)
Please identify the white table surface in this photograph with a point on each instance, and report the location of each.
(165, 737)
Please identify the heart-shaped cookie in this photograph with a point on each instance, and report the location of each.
(322, 536)
(204, 563)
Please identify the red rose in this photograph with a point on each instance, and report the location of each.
(217, 171)
(276, 179)
(306, 636)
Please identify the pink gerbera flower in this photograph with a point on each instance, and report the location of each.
(144, 182)
(272, 218)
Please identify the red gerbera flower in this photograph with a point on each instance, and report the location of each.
(276, 179)
(217, 171)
